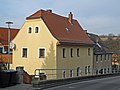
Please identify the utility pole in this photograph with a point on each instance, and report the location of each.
(9, 23)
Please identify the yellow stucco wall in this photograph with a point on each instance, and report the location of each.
(33, 42)
(69, 62)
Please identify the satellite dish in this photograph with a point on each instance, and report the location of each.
(12, 45)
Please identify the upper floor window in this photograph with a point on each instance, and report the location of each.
(36, 29)
(105, 56)
(71, 52)
(96, 58)
(89, 51)
(29, 30)
(64, 53)
(24, 52)
(78, 52)
(41, 53)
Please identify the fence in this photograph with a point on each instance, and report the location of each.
(67, 73)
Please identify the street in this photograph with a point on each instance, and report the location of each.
(111, 83)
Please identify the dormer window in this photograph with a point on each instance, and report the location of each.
(36, 29)
(67, 30)
(29, 30)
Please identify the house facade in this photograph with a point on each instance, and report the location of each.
(102, 60)
(4, 43)
(55, 44)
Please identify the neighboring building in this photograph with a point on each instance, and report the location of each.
(4, 43)
(50, 41)
(102, 62)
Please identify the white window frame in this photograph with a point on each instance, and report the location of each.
(28, 30)
(64, 52)
(44, 52)
(71, 73)
(38, 29)
(78, 54)
(79, 71)
(22, 52)
(71, 52)
(63, 73)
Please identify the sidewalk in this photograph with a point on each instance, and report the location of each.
(19, 87)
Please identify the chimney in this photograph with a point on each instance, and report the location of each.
(49, 10)
(70, 17)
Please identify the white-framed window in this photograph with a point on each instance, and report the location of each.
(85, 69)
(78, 52)
(89, 69)
(71, 73)
(36, 29)
(24, 52)
(29, 29)
(78, 71)
(71, 52)
(63, 73)
(64, 52)
(41, 52)
(96, 58)
(88, 51)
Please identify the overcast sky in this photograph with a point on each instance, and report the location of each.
(96, 16)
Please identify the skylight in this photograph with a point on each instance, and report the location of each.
(67, 30)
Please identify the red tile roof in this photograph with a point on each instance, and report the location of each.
(62, 29)
(4, 35)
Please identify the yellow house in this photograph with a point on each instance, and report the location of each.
(58, 45)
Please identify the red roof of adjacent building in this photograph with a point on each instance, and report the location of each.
(64, 29)
(4, 35)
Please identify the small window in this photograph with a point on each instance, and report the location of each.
(41, 53)
(29, 30)
(36, 29)
(88, 51)
(64, 53)
(1, 49)
(101, 57)
(63, 74)
(78, 52)
(105, 56)
(67, 30)
(71, 52)
(88, 69)
(24, 52)
(96, 58)
(71, 73)
(85, 69)
(78, 71)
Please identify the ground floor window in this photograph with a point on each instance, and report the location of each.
(71, 73)
(78, 71)
(63, 74)
(85, 69)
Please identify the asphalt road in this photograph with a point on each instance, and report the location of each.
(111, 83)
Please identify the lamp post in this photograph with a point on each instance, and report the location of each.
(9, 23)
